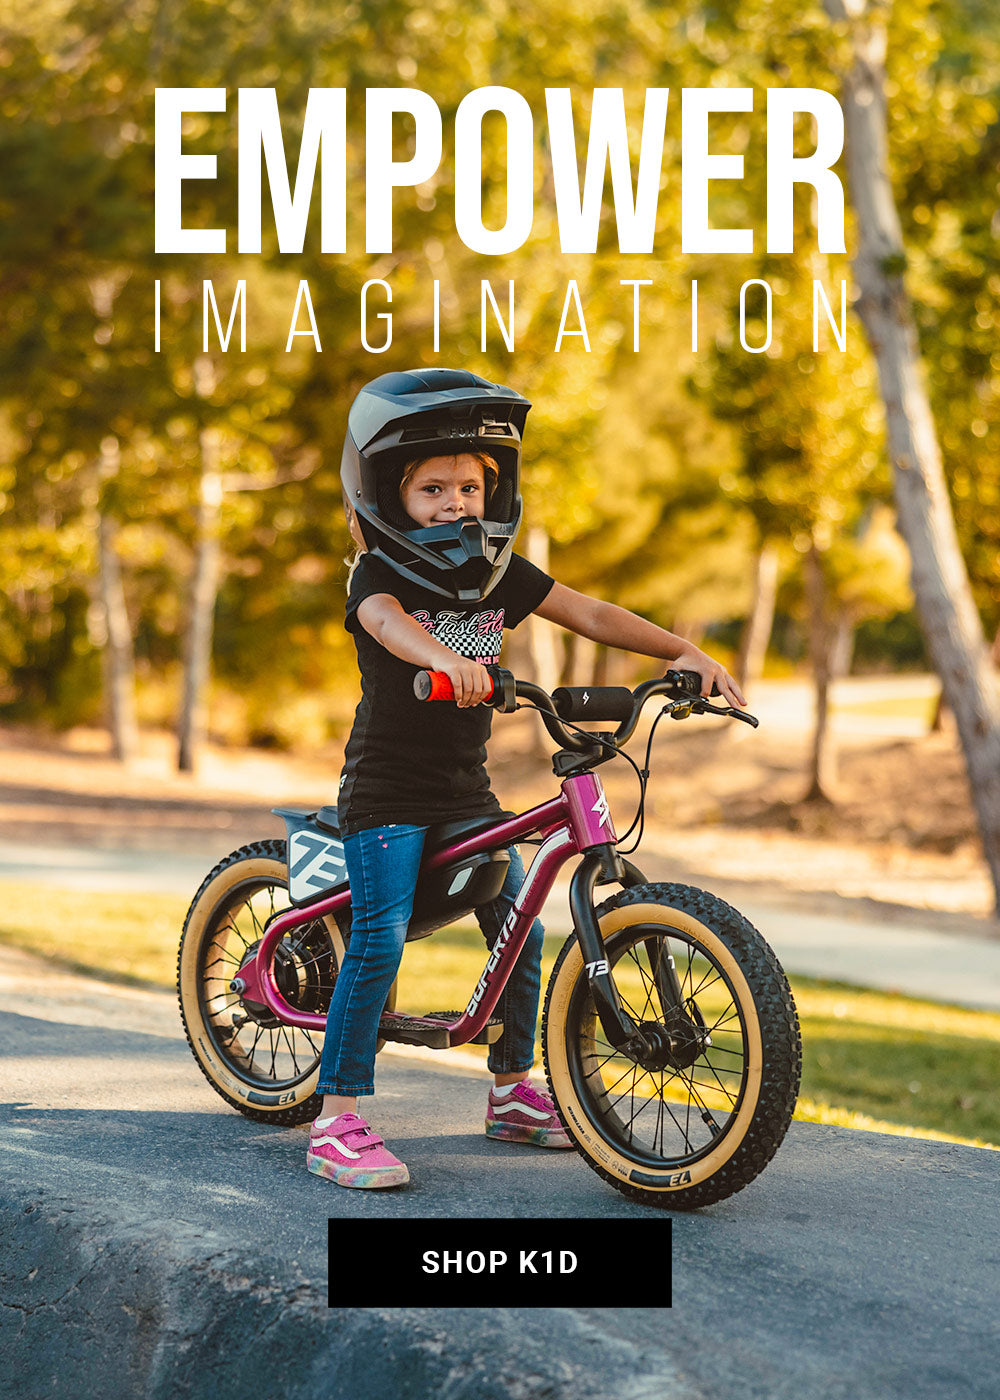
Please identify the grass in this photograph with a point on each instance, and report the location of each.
(124, 937)
(871, 1059)
(893, 1063)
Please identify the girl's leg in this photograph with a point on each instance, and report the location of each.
(517, 1111)
(512, 1056)
(382, 865)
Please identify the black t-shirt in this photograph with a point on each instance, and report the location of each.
(420, 762)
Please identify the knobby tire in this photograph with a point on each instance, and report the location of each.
(678, 1138)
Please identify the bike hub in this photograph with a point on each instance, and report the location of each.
(673, 1043)
(287, 974)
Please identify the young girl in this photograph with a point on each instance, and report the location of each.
(431, 484)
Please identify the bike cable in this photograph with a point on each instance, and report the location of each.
(640, 817)
(641, 773)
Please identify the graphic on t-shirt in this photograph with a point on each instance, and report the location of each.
(475, 635)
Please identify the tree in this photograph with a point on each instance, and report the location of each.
(115, 633)
(950, 620)
(808, 469)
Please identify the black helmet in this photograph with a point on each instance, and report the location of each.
(435, 413)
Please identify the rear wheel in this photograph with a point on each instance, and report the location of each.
(695, 1123)
(264, 1068)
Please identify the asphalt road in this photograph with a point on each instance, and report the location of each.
(857, 1267)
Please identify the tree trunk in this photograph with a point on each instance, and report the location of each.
(822, 758)
(578, 660)
(842, 646)
(760, 623)
(951, 624)
(114, 632)
(542, 634)
(204, 588)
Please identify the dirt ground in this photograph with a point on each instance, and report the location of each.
(724, 802)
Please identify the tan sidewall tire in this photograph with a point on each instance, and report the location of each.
(597, 1149)
(255, 1097)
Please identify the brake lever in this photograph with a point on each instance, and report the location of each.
(747, 718)
(683, 709)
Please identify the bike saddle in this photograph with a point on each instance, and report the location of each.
(450, 833)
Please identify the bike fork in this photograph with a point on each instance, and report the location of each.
(619, 1027)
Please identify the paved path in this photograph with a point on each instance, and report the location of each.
(901, 956)
(180, 1248)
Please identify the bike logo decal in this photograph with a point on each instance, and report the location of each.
(601, 810)
(314, 863)
(595, 969)
(495, 955)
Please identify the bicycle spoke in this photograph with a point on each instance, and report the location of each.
(706, 1114)
(291, 1049)
(256, 1042)
(670, 1113)
(222, 958)
(233, 928)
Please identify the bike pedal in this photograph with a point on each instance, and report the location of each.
(431, 1030)
(415, 1030)
(492, 1031)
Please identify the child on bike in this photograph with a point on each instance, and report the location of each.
(431, 474)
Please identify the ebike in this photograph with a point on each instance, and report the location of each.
(669, 1034)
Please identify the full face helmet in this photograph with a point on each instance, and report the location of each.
(413, 414)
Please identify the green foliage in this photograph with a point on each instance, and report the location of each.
(946, 118)
(655, 472)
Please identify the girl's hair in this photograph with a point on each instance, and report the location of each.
(353, 560)
(491, 472)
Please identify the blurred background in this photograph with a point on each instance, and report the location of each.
(172, 544)
(171, 536)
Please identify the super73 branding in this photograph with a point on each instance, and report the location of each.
(601, 810)
(315, 863)
(498, 947)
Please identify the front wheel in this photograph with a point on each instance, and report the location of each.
(698, 1124)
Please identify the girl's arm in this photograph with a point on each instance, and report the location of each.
(383, 617)
(617, 627)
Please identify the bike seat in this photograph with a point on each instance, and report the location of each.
(438, 835)
(450, 833)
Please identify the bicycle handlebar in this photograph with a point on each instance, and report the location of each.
(572, 703)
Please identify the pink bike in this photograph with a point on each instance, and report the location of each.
(670, 1038)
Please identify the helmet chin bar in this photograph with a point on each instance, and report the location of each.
(467, 555)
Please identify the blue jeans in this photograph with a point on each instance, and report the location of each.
(382, 865)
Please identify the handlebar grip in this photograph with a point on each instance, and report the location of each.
(688, 682)
(436, 685)
(599, 702)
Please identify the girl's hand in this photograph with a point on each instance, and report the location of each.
(382, 616)
(471, 682)
(711, 672)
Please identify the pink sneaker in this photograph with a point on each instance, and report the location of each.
(345, 1150)
(525, 1115)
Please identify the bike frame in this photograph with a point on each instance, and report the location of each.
(576, 823)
